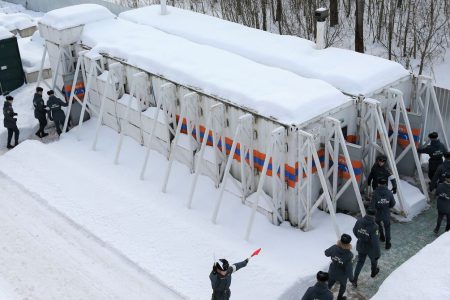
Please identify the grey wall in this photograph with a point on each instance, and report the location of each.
(47, 5)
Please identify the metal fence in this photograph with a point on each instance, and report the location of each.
(443, 98)
(47, 5)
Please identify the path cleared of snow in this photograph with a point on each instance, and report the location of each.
(43, 256)
(156, 231)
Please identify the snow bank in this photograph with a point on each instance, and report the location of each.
(415, 200)
(5, 33)
(424, 276)
(16, 21)
(31, 50)
(155, 231)
(351, 72)
(75, 15)
(269, 91)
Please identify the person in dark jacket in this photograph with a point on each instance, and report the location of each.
(10, 122)
(380, 170)
(221, 278)
(442, 170)
(57, 114)
(443, 203)
(40, 112)
(341, 264)
(435, 150)
(366, 231)
(382, 201)
(320, 290)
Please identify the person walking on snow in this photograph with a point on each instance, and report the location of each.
(320, 290)
(220, 277)
(380, 170)
(435, 150)
(10, 122)
(443, 203)
(442, 170)
(40, 112)
(382, 201)
(57, 113)
(341, 264)
(366, 231)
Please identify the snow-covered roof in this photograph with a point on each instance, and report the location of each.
(351, 72)
(16, 21)
(5, 33)
(75, 15)
(271, 92)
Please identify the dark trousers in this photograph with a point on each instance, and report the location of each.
(439, 220)
(59, 124)
(42, 123)
(14, 131)
(432, 167)
(221, 295)
(342, 287)
(387, 229)
(361, 260)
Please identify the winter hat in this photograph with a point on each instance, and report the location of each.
(370, 211)
(382, 181)
(346, 239)
(381, 158)
(222, 264)
(322, 276)
(447, 154)
(433, 135)
(9, 98)
(39, 89)
(50, 92)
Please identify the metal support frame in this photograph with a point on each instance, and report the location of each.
(115, 83)
(244, 136)
(139, 88)
(307, 153)
(426, 96)
(273, 149)
(335, 141)
(215, 122)
(190, 112)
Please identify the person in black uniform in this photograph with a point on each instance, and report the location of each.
(40, 112)
(57, 114)
(442, 170)
(382, 201)
(435, 150)
(10, 122)
(380, 170)
(366, 231)
(320, 290)
(221, 278)
(341, 264)
(443, 203)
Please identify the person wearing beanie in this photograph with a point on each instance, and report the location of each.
(382, 201)
(10, 122)
(443, 203)
(341, 268)
(40, 112)
(320, 290)
(380, 170)
(220, 277)
(368, 244)
(441, 171)
(435, 149)
(56, 113)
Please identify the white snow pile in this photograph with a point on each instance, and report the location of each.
(16, 21)
(31, 51)
(423, 276)
(156, 231)
(5, 33)
(269, 91)
(351, 72)
(75, 15)
(414, 199)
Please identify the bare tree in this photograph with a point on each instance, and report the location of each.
(359, 31)
(334, 13)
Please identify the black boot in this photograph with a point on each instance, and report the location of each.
(341, 298)
(354, 283)
(375, 272)
(388, 245)
(38, 134)
(436, 230)
(382, 238)
(9, 146)
(44, 134)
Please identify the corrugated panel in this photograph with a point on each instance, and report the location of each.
(443, 98)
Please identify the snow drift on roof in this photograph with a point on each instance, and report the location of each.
(351, 72)
(5, 33)
(16, 21)
(269, 91)
(72, 16)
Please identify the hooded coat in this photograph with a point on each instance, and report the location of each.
(341, 261)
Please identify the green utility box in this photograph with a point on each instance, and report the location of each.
(11, 71)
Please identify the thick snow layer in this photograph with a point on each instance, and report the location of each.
(415, 200)
(424, 276)
(75, 15)
(269, 91)
(31, 50)
(351, 72)
(5, 33)
(16, 21)
(156, 231)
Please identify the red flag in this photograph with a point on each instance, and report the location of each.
(256, 252)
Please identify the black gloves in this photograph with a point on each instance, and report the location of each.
(394, 190)
(15, 114)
